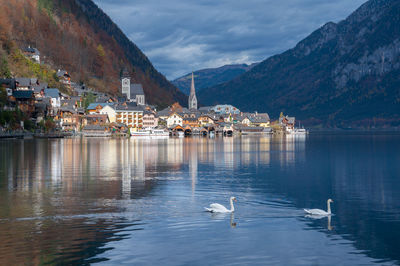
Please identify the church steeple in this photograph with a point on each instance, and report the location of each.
(192, 97)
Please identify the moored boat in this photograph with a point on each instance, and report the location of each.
(150, 133)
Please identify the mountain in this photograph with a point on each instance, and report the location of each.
(211, 76)
(79, 37)
(344, 74)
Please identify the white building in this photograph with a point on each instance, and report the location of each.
(174, 119)
(33, 53)
(149, 120)
(132, 116)
(110, 112)
(54, 95)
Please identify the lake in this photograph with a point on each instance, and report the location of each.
(141, 201)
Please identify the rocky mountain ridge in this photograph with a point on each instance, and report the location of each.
(343, 74)
(209, 77)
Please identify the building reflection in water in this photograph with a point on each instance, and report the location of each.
(60, 190)
(65, 163)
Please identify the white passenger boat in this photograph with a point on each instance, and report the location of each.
(150, 133)
(159, 133)
(299, 131)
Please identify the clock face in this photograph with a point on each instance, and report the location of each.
(125, 82)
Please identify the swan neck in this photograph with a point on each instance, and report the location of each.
(232, 207)
(329, 207)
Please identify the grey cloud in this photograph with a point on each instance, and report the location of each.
(183, 35)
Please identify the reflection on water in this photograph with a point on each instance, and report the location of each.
(118, 200)
(318, 217)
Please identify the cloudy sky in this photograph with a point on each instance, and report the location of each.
(179, 36)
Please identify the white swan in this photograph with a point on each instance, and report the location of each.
(320, 212)
(216, 207)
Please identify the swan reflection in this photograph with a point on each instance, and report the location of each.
(318, 217)
(222, 216)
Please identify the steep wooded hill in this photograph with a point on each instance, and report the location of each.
(79, 37)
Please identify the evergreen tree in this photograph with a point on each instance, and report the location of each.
(4, 70)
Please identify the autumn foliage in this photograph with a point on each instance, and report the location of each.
(70, 35)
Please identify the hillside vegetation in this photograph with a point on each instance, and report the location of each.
(77, 36)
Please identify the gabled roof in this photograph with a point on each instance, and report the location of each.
(240, 118)
(32, 50)
(112, 106)
(67, 109)
(53, 93)
(164, 112)
(128, 107)
(93, 106)
(62, 73)
(290, 120)
(10, 83)
(23, 82)
(171, 114)
(23, 94)
(205, 109)
(136, 89)
(67, 102)
(38, 88)
(146, 112)
(260, 118)
(190, 119)
(45, 100)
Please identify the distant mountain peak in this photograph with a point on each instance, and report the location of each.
(211, 76)
(342, 74)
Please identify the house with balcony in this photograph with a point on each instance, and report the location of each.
(149, 119)
(130, 115)
(95, 108)
(70, 120)
(205, 120)
(191, 122)
(95, 119)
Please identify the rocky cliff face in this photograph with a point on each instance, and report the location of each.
(344, 74)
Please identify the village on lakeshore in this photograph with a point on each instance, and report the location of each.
(31, 108)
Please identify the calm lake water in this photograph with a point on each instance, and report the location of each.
(141, 201)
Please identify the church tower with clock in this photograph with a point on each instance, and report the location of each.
(126, 83)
